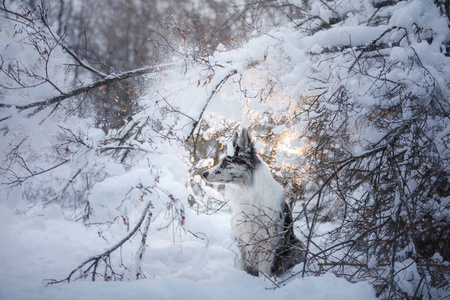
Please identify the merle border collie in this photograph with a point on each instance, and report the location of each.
(261, 219)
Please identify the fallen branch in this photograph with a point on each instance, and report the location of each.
(92, 263)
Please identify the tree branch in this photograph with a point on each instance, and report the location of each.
(94, 261)
(213, 93)
(86, 88)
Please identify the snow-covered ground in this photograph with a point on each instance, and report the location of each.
(42, 246)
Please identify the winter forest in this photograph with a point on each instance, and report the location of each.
(111, 110)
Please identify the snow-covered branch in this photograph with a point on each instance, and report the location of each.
(90, 267)
(86, 88)
(215, 90)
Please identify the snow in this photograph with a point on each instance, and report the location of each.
(230, 149)
(114, 190)
(197, 259)
(257, 106)
(220, 47)
(43, 246)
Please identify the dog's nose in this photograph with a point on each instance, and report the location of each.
(205, 174)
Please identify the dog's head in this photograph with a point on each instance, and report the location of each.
(237, 166)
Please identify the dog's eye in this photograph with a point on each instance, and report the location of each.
(226, 161)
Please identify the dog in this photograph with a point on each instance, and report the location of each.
(261, 219)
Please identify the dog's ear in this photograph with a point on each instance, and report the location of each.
(235, 139)
(244, 142)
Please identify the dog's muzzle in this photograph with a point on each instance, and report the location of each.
(205, 174)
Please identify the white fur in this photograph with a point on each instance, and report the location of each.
(256, 219)
(257, 204)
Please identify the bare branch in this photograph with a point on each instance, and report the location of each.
(92, 263)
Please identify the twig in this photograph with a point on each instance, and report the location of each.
(213, 93)
(142, 247)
